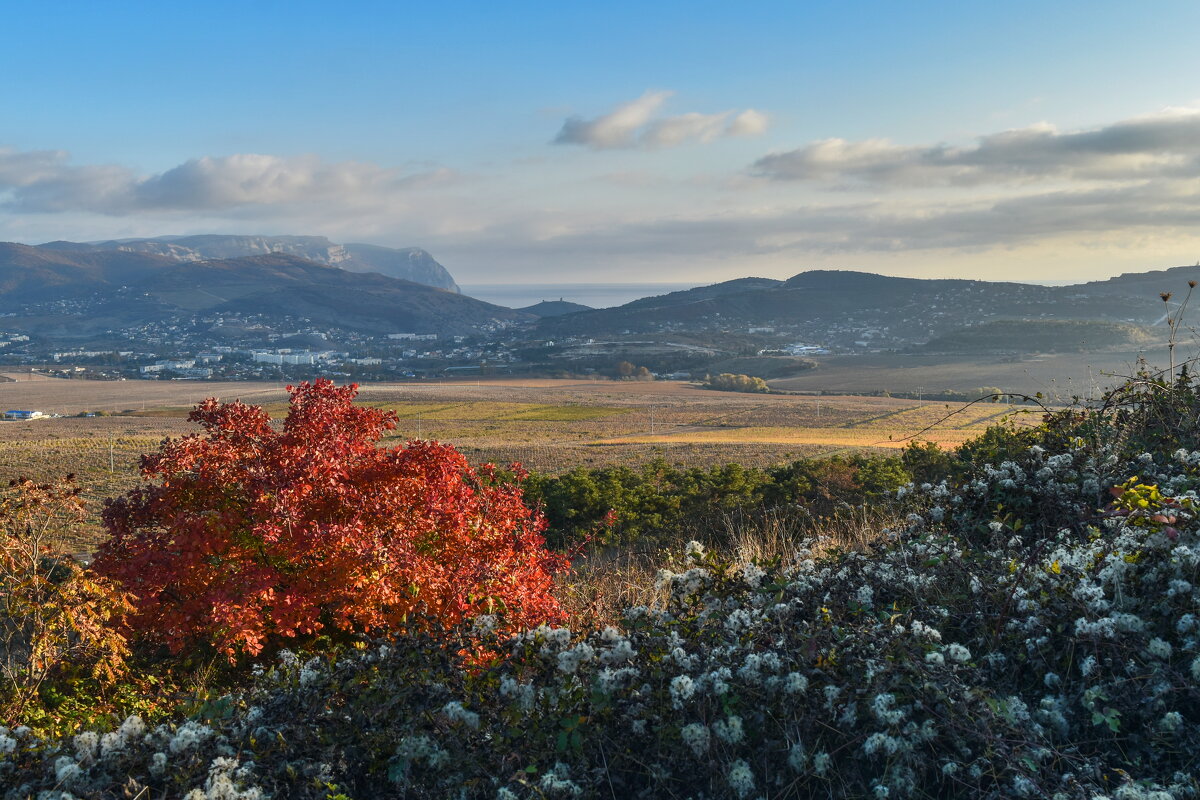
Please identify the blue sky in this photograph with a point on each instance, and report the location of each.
(615, 141)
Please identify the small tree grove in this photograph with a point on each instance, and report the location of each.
(728, 382)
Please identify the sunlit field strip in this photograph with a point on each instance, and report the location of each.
(919, 425)
(470, 411)
(500, 411)
(978, 416)
(828, 437)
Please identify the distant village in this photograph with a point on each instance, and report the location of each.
(257, 347)
(244, 347)
(249, 346)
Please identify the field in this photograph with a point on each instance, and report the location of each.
(1058, 376)
(547, 425)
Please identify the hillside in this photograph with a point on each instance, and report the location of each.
(848, 308)
(29, 274)
(82, 293)
(554, 308)
(367, 302)
(1041, 336)
(713, 291)
(410, 264)
(1143, 283)
(910, 309)
(122, 293)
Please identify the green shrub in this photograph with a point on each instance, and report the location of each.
(653, 503)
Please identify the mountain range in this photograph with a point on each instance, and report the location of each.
(95, 289)
(67, 290)
(409, 263)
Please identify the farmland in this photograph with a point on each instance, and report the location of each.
(547, 425)
(1058, 376)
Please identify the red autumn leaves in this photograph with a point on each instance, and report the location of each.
(247, 535)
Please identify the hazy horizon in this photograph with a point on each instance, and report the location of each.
(531, 143)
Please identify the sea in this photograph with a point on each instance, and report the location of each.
(596, 295)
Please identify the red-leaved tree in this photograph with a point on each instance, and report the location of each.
(246, 536)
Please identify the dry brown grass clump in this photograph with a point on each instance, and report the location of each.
(604, 582)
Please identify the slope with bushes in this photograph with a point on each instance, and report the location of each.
(1029, 628)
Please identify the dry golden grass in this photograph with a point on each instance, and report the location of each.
(825, 437)
(66, 397)
(600, 586)
(949, 425)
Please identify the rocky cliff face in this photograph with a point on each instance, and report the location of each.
(410, 264)
(209, 247)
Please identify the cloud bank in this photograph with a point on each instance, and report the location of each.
(1121, 187)
(1118, 217)
(45, 182)
(637, 124)
(1163, 145)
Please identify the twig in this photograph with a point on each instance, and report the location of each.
(985, 399)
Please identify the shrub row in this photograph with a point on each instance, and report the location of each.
(1028, 634)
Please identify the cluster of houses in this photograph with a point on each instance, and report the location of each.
(185, 368)
(16, 413)
(196, 367)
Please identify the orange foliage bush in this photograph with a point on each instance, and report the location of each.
(251, 535)
(56, 618)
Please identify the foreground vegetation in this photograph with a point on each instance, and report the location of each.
(1024, 622)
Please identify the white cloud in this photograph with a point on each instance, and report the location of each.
(45, 182)
(672, 131)
(1116, 214)
(748, 123)
(1166, 144)
(615, 129)
(635, 125)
